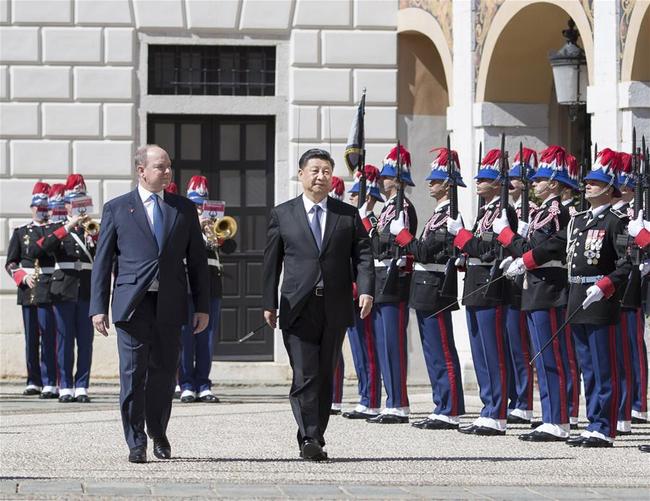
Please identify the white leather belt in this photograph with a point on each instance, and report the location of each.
(386, 262)
(213, 262)
(552, 264)
(76, 265)
(430, 267)
(48, 270)
(585, 280)
(475, 261)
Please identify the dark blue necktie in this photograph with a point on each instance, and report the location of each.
(158, 223)
(315, 225)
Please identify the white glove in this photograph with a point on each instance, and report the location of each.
(397, 224)
(593, 294)
(363, 211)
(500, 223)
(460, 261)
(454, 225)
(506, 263)
(635, 226)
(516, 268)
(645, 268)
(522, 228)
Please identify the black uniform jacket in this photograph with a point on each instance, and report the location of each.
(481, 246)
(593, 256)
(68, 283)
(383, 245)
(22, 255)
(345, 255)
(546, 287)
(431, 250)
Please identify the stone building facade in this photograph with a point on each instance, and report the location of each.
(76, 96)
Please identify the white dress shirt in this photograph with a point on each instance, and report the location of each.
(145, 196)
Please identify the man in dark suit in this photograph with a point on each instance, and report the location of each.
(323, 246)
(145, 236)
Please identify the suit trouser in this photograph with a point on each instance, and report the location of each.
(632, 324)
(74, 327)
(148, 353)
(520, 372)
(443, 366)
(366, 362)
(41, 361)
(487, 338)
(390, 321)
(552, 365)
(337, 382)
(197, 349)
(596, 347)
(313, 349)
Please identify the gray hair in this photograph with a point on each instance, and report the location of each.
(140, 157)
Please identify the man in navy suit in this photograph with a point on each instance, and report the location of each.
(145, 236)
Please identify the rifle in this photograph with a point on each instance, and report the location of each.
(481, 202)
(632, 295)
(362, 158)
(392, 278)
(495, 291)
(449, 286)
(646, 177)
(525, 196)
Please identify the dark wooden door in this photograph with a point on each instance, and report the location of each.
(236, 154)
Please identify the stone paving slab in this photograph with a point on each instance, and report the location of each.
(377, 492)
(182, 490)
(117, 489)
(54, 487)
(8, 486)
(313, 491)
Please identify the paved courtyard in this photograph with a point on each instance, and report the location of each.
(245, 448)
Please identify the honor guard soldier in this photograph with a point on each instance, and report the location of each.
(486, 313)
(431, 253)
(390, 311)
(520, 408)
(361, 336)
(598, 266)
(72, 243)
(544, 292)
(31, 270)
(197, 349)
(634, 408)
(338, 192)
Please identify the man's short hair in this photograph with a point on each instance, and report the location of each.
(315, 153)
(140, 157)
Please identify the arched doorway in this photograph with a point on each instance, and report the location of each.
(515, 91)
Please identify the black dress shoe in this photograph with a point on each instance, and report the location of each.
(48, 394)
(138, 455)
(576, 441)
(638, 420)
(597, 442)
(177, 395)
(161, 448)
(573, 426)
(512, 419)
(188, 399)
(536, 424)
(29, 392)
(540, 436)
(310, 450)
(388, 419)
(210, 398)
(624, 433)
(486, 431)
(468, 430)
(357, 415)
(66, 399)
(335, 412)
(82, 399)
(434, 424)
(644, 448)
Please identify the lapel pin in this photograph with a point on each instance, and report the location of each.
(131, 210)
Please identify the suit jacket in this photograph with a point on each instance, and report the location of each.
(127, 247)
(345, 255)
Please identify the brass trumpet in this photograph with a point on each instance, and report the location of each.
(90, 226)
(219, 229)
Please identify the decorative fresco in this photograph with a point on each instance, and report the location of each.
(624, 12)
(441, 10)
(484, 12)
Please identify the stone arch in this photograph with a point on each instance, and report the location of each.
(502, 25)
(636, 64)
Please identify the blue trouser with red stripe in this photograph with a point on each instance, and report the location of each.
(73, 326)
(596, 348)
(632, 324)
(390, 321)
(552, 365)
(574, 375)
(197, 349)
(443, 366)
(625, 371)
(487, 338)
(339, 376)
(41, 360)
(521, 373)
(366, 363)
